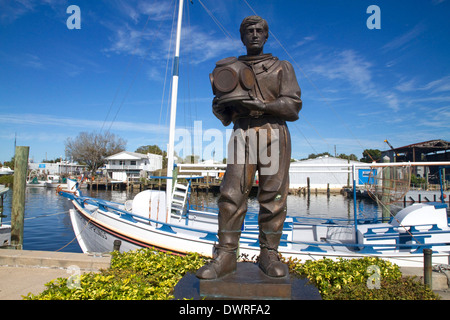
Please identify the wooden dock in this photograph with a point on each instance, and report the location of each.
(211, 185)
(205, 185)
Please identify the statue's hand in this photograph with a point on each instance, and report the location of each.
(218, 108)
(221, 112)
(254, 104)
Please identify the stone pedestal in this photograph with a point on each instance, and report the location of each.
(249, 283)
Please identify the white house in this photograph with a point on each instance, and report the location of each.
(323, 170)
(124, 165)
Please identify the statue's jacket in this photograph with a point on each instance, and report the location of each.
(276, 85)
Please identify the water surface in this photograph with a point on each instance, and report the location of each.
(48, 227)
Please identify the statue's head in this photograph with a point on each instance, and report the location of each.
(254, 34)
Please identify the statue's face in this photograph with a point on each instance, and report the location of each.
(254, 38)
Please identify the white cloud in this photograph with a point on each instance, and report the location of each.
(32, 61)
(350, 67)
(156, 11)
(130, 40)
(203, 46)
(438, 85)
(403, 40)
(393, 101)
(43, 120)
(304, 41)
(13, 10)
(196, 44)
(352, 72)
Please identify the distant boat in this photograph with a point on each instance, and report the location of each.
(6, 171)
(53, 181)
(35, 182)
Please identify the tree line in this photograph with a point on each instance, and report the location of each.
(92, 149)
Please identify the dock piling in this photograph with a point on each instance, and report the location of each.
(18, 201)
(427, 268)
(117, 244)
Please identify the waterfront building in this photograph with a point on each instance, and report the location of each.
(321, 175)
(125, 165)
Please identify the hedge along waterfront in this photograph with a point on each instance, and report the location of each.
(147, 274)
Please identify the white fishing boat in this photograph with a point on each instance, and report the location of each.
(164, 220)
(53, 181)
(34, 179)
(5, 229)
(35, 182)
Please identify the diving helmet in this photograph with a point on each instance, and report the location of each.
(232, 80)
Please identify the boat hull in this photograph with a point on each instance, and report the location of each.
(55, 185)
(97, 230)
(5, 235)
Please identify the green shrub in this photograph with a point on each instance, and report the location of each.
(405, 288)
(347, 279)
(7, 180)
(149, 274)
(135, 275)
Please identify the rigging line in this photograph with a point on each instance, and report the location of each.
(167, 66)
(385, 206)
(172, 34)
(221, 27)
(301, 114)
(312, 83)
(189, 67)
(195, 101)
(123, 78)
(190, 83)
(41, 216)
(296, 126)
(77, 235)
(304, 137)
(135, 75)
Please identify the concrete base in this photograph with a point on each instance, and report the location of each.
(51, 259)
(439, 280)
(249, 283)
(27, 271)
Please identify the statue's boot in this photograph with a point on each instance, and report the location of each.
(269, 260)
(225, 260)
(270, 264)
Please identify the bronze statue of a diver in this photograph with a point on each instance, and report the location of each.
(271, 97)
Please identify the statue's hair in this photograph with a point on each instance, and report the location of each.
(251, 20)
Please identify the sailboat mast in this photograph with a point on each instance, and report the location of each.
(173, 108)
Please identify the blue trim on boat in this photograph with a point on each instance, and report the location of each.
(312, 246)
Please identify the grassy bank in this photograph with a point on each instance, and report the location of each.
(146, 274)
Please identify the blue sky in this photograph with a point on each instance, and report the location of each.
(360, 86)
